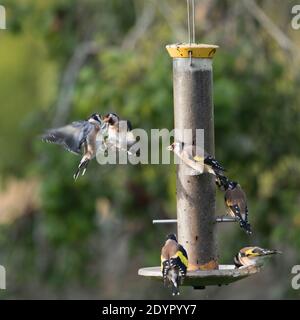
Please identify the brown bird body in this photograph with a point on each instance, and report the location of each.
(169, 249)
(236, 197)
(235, 201)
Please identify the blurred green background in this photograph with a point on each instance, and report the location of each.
(61, 60)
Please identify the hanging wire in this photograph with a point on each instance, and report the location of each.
(193, 17)
(188, 20)
(191, 24)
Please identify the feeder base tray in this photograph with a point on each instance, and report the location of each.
(199, 279)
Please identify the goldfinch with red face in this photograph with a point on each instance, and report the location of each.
(174, 263)
(77, 137)
(119, 132)
(200, 163)
(250, 256)
(235, 201)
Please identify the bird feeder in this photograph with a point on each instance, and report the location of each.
(196, 221)
(193, 109)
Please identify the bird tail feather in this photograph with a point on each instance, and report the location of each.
(246, 226)
(175, 290)
(175, 286)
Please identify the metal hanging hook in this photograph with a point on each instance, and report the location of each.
(190, 56)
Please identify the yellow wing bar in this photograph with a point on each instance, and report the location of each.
(182, 258)
(198, 158)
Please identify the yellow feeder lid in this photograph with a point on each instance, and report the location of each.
(196, 50)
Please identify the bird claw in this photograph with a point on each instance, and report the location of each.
(82, 166)
(76, 174)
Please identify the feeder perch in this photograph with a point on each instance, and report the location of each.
(218, 219)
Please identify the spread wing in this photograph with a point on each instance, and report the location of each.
(70, 136)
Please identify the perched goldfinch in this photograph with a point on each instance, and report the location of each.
(199, 163)
(174, 263)
(235, 201)
(119, 132)
(253, 256)
(77, 136)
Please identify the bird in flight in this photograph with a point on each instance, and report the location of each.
(119, 132)
(79, 137)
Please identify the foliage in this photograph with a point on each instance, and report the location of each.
(67, 239)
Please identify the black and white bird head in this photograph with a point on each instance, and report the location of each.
(171, 236)
(95, 118)
(111, 118)
(114, 122)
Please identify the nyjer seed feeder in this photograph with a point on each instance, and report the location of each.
(196, 220)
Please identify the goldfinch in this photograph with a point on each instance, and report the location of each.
(119, 132)
(174, 263)
(250, 256)
(77, 137)
(200, 163)
(235, 201)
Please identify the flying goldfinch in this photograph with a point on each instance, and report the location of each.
(77, 137)
(250, 256)
(174, 263)
(200, 163)
(235, 201)
(119, 132)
